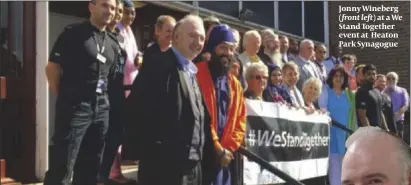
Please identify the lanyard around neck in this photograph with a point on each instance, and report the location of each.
(103, 46)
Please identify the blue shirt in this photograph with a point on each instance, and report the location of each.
(331, 62)
(222, 97)
(185, 64)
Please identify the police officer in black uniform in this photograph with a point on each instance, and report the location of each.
(77, 73)
(117, 97)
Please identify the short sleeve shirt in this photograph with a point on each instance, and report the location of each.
(370, 99)
(77, 50)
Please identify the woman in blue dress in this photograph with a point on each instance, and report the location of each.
(339, 101)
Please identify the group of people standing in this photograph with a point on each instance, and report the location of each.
(182, 121)
(89, 66)
(179, 108)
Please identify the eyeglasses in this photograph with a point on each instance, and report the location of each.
(390, 78)
(259, 77)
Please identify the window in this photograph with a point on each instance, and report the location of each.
(290, 14)
(224, 7)
(3, 37)
(314, 20)
(17, 29)
(263, 12)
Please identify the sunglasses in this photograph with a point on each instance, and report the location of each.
(259, 77)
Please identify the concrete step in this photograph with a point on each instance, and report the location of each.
(8, 181)
(129, 171)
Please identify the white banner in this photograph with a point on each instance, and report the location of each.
(291, 140)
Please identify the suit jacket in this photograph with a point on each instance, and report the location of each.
(307, 70)
(152, 50)
(155, 132)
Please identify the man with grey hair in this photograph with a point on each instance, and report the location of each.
(270, 53)
(400, 100)
(306, 66)
(175, 147)
(380, 85)
(365, 162)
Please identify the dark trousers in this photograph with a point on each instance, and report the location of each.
(114, 139)
(78, 141)
(194, 175)
(400, 128)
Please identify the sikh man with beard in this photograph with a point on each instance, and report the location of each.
(223, 96)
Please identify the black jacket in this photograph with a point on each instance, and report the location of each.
(154, 133)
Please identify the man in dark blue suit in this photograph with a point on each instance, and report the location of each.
(168, 127)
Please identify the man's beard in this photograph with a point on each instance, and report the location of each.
(370, 81)
(219, 64)
(272, 50)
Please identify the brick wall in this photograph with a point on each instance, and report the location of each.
(393, 59)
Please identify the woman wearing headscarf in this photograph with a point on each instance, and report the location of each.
(339, 101)
(133, 60)
(274, 91)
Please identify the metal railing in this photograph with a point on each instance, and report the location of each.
(266, 165)
(342, 127)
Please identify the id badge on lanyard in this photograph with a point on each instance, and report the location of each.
(102, 60)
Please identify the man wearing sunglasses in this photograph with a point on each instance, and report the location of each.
(385, 163)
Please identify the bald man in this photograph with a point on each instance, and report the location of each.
(306, 66)
(366, 162)
(172, 147)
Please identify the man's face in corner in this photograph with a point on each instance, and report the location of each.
(374, 165)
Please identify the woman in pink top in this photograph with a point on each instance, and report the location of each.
(131, 64)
